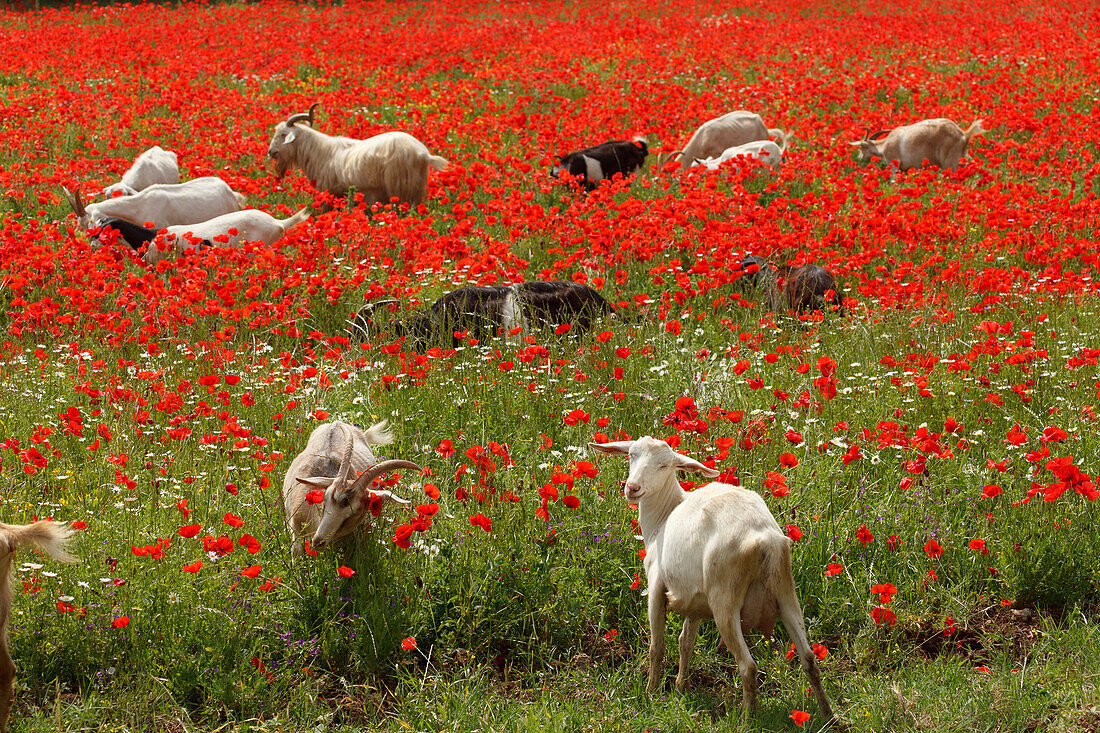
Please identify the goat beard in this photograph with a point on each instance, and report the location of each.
(281, 167)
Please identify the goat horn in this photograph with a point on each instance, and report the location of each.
(368, 476)
(876, 135)
(306, 116)
(345, 464)
(74, 201)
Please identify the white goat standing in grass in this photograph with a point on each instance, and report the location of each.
(392, 164)
(51, 539)
(716, 552)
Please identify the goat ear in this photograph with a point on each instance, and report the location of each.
(690, 464)
(390, 496)
(617, 448)
(317, 482)
(290, 137)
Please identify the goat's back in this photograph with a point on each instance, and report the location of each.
(940, 140)
(325, 450)
(717, 135)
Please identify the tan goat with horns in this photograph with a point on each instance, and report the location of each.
(334, 454)
(392, 164)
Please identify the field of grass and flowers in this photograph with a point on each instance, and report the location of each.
(934, 453)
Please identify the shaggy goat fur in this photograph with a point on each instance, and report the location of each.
(386, 166)
(51, 539)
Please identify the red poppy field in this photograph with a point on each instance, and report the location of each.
(931, 451)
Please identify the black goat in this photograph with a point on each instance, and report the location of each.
(602, 162)
(482, 311)
(134, 235)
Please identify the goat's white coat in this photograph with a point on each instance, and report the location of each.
(392, 164)
(721, 133)
(716, 552)
(165, 205)
(250, 225)
(155, 165)
(511, 313)
(765, 151)
(49, 537)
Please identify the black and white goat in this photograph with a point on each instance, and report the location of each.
(227, 230)
(601, 162)
(482, 311)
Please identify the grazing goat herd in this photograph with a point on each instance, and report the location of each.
(716, 552)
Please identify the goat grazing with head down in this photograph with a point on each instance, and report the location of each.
(163, 204)
(714, 553)
(805, 288)
(940, 142)
(602, 162)
(227, 230)
(155, 165)
(385, 166)
(333, 457)
(716, 136)
(50, 538)
(482, 311)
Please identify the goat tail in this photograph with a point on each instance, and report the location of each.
(379, 433)
(437, 163)
(783, 137)
(241, 199)
(974, 130)
(49, 537)
(775, 566)
(301, 216)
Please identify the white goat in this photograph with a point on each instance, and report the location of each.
(333, 455)
(227, 230)
(155, 165)
(716, 552)
(715, 136)
(163, 204)
(393, 164)
(765, 151)
(940, 141)
(51, 539)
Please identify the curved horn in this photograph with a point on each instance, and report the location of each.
(876, 135)
(303, 116)
(368, 476)
(345, 463)
(74, 201)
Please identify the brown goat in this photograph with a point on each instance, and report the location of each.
(51, 539)
(806, 288)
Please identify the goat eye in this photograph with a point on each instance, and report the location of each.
(344, 500)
